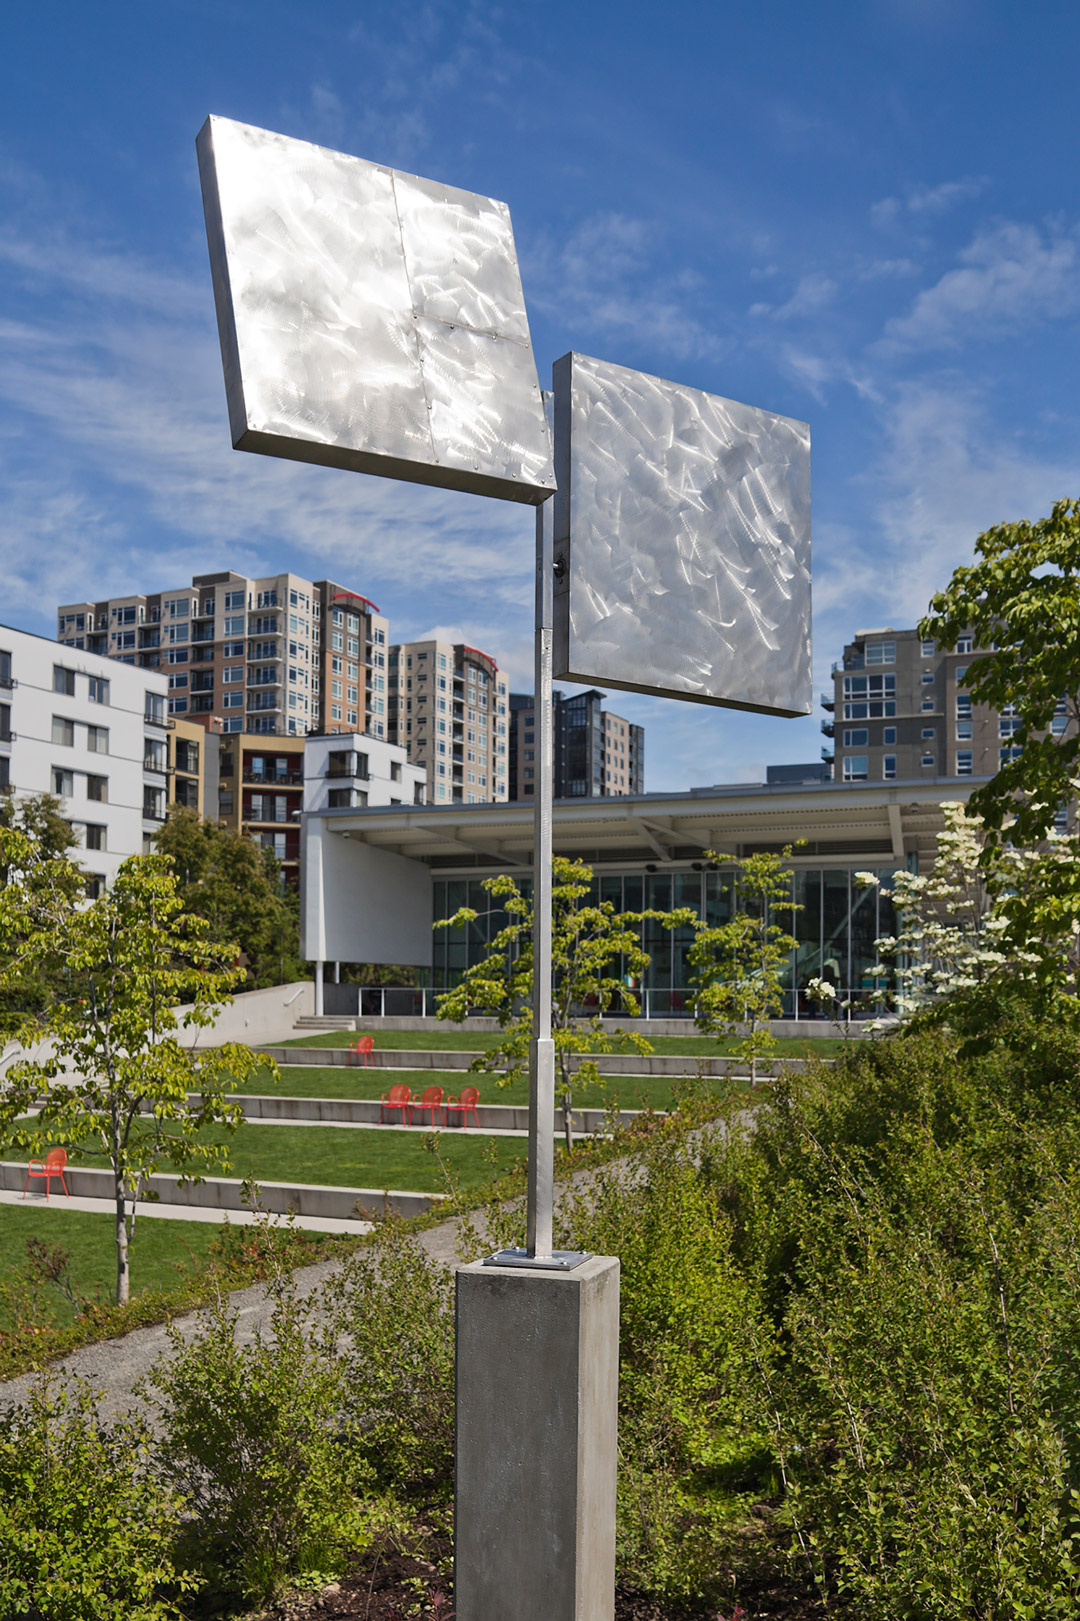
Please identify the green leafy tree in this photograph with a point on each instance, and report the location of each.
(1021, 600)
(115, 1079)
(594, 951)
(40, 818)
(233, 884)
(737, 967)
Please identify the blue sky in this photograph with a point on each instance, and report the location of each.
(864, 215)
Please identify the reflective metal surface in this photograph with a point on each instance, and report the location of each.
(369, 319)
(682, 542)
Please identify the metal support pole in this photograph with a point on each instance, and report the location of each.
(542, 1047)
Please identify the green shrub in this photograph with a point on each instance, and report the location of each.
(392, 1309)
(913, 1217)
(251, 1436)
(86, 1532)
(691, 1457)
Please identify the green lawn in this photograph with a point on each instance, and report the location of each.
(162, 1249)
(300, 1081)
(365, 1159)
(435, 1040)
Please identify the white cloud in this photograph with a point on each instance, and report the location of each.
(923, 202)
(1010, 276)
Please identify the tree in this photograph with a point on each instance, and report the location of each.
(117, 1080)
(737, 966)
(1021, 600)
(986, 912)
(228, 880)
(40, 818)
(594, 951)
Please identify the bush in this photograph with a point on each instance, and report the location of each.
(393, 1311)
(251, 1436)
(913, 1216)
(86, 1532)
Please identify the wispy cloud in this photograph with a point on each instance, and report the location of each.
(1011, 275)
(921, 202)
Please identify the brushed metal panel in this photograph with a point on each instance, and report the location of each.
(324, 267)
(682, 542)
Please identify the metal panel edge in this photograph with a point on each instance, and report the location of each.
(682, 697)
(219, 275)
(562, 383)
(438, 476)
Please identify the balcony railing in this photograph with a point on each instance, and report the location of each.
(293, 779)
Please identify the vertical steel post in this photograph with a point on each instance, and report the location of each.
(542, 1047)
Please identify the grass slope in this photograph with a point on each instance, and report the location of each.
(471, 1041)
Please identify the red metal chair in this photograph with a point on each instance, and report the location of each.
(464, 1106)
(432, 1099)
(361, 1049)
(397, 1098)
(52, 1165)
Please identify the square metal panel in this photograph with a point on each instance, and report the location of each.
(682, 542)
(369, 319)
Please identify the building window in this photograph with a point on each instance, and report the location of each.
(63, 732)
(929, 733)
(856, 737)
(94, 886)
(154, 711)
(63, 783)
(339, 798)
(97, 789)
(888, 767)
(965, 644)
(153, 807)
(963, 705)
(965, 731)
(153, 754)
(881, 653)
(928, 760)
(63, 680)
(928, 650)
(5, 723)
(97, 739)
(928, 706)
(99, 690)
(963, 762)
(856, 768)
(95, 836)
(1058, 725)
(1005, 755)
(1009, 725)
(5, 669)
(888, 735)
(869, 697)
(928, 678)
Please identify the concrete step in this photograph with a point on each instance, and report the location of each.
(626, 1064)
(225, 1193)
(313, 1022)
(369, 1112)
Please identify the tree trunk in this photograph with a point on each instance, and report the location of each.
(123, 1274)
(568, 1121)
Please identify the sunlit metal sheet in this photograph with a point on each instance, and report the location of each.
(369, 319)
(682, 542)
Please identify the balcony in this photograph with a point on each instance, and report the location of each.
(827, 757)
(261, 779)
(828, 701)
(829, 728)
(853, 661)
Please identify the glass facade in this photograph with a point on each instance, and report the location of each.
(835, 923)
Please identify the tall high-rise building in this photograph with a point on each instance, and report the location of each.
(597, 754)
(280, 655)
(900, 709)
(447, 707)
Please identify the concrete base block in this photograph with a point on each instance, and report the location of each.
(537, 1390)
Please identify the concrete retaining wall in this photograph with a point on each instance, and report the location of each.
(258, 1016)
(368, 1112)
(225, 1193)
(629, 1064)
(642, 1027)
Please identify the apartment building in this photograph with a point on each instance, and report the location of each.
(447, 708)
(900, 709)
(347, 773)
(261, 792)
(597, 753)
(192, 766)
(278, 656)
(95, 735)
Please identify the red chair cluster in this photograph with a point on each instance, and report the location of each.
(400, 1098)
(52, 1165)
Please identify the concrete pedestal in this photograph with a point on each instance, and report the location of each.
(537, 1388)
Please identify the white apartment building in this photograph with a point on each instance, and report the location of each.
(346, 773)
(93, 733)
(447, 708)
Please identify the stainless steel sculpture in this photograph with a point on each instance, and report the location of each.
(375, 321)
(682, 542)
(369, 319)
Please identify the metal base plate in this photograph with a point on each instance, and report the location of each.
(557, 1261)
